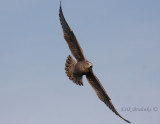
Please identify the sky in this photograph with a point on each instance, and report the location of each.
(120, 37)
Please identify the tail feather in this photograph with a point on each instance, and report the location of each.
(69, 67)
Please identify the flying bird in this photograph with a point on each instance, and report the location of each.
(76, 69)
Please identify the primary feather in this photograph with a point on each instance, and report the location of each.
(70, 38)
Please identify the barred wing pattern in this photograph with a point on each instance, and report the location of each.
(101, 93)
(70, 38)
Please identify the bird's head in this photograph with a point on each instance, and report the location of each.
(89, 65)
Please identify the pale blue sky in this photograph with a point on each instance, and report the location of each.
(120, 37)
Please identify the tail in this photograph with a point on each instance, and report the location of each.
(69, 67)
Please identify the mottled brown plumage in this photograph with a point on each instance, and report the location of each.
(76, 70)
(71, 39)
(103, 96)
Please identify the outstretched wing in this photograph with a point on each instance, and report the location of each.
(101, 93)
(70, 38)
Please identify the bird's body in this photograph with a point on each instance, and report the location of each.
(75, 70)
(82, 68)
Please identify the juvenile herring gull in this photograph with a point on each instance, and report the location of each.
(76, 69)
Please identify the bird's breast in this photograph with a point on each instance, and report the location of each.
(80, 69)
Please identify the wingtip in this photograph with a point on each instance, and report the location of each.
(60, 4)
(60, 8)
(128, 121)
(125, 119)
